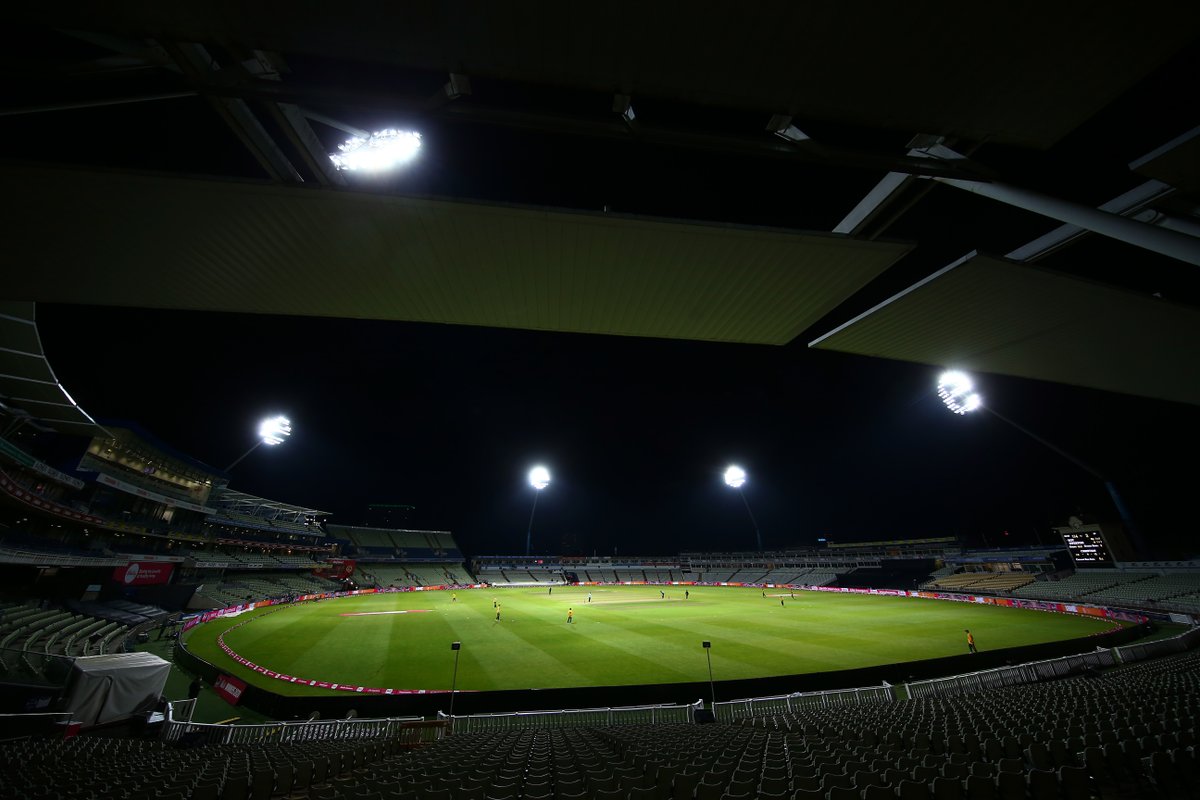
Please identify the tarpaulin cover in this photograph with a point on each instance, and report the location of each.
(113, 687)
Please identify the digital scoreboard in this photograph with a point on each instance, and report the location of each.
(1087, 548)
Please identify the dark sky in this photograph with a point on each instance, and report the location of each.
(636, 432)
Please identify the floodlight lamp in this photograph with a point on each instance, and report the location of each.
(539, 478)
(274, 430)
(957, 391)
(381, 151)
(735, 477)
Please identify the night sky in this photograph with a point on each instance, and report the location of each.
(636, 432)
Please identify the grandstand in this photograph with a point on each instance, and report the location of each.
(1126, 732)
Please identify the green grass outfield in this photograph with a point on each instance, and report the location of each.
(626, 635)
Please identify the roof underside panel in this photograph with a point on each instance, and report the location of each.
(136, 240)
(27, 382)
(915, 67)
(990, 315)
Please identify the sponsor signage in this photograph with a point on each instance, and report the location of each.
(229, 688)
(24, 459)
(137, 491)
(143, 573)
(24, 495)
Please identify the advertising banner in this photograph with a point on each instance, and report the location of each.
(137, 491)
(229, 688)
(143, 573)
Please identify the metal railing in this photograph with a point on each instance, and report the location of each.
(1011, 676)
(406, 730)
(1053, 668)
(736, 710)
(573, 717)
(1163, 647)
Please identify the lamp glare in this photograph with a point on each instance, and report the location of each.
(539, 478)
(275, 430)
(381, 151)
(735, 477)
(957, 391)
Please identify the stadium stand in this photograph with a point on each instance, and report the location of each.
(91, 767)
(1127, 732)
(1077, 586)
(1152, 589)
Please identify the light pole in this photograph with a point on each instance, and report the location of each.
(539, 478)
(712, 687)
(271, 431)
(455, 646)
(957, 392)
(735, 478)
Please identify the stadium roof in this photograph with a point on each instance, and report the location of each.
(225, 246)
(989, 315)
(226, 497)
(28, 386)
(1054, 133)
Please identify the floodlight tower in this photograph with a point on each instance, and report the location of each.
(272, 431)
(539, 478)
(735, 478)
(957, 391)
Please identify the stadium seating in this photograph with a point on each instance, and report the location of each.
(1149, 590)
(1128, 732)
(989, 582)
(1078, 586)
(259, 586)
(102, 767)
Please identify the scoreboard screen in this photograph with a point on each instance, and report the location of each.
(1087, 548)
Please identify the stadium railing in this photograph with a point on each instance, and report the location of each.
(1031, 672)
(1050, 669)
(572, 717)
(736, 710)
(178, 729)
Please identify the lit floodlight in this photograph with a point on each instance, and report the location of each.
(539, 478)
(381, 151)
(274, 430)
(735, 477)
(957, 391)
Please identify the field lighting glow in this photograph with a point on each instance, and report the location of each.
(539, 478)
(957, 391)
(273, 431)
(382, 151)
(735, 477)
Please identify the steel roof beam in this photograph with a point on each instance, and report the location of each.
(1148, 237)
(1127, 205)
(292, 122)
(873, 203)
(199, 66)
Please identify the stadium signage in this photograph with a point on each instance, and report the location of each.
(137, 491)
(21, 493)
(229, 688)
(24, 459)
(143, 573)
